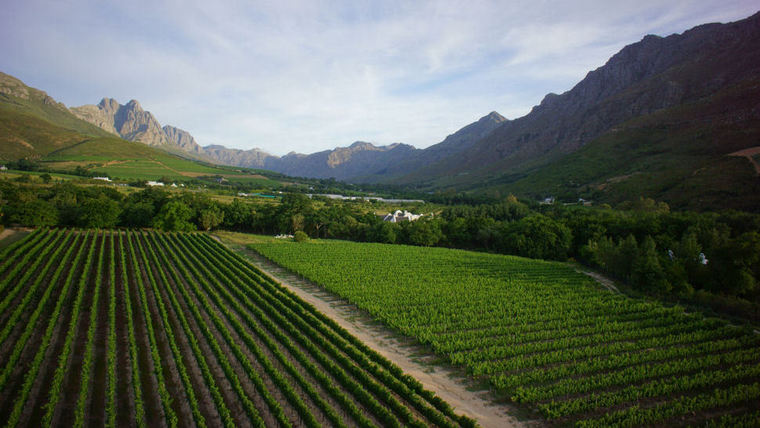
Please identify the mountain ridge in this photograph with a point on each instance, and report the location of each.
(653, 74)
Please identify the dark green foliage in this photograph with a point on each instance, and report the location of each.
(537, 236)
(34, 212)
(137, 214)
(210, 217)
(424, 232)
(174, 216)
(656, 251)
(101, 212)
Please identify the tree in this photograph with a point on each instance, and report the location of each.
(211, 217)
(137, 214)
(100, 212)
(297, 222)
(31, 213)
(646, 272)
(237, 215)
(300, 236)
(175, 216)
(537, 236)
(384, 232)
(425, 232)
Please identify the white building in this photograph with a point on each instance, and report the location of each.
(399, 216)
(101, 178)
(155, 183)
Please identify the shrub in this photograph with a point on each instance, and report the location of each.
(300, 236)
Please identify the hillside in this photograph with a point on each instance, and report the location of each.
(658, 100)
(681, 155)
(35, 126)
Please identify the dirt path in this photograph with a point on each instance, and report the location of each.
(601, 279)
(5, 233)
(446, 382)
(749, 154)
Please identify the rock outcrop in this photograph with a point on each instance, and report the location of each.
(128, 121)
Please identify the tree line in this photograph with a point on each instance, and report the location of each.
(708, 258)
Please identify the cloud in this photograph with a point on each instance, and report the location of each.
(311, 75)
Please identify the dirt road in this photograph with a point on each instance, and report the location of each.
(446, 382)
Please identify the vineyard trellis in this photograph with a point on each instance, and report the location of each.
(544, 335)
(180, 332)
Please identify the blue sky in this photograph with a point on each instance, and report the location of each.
(306, 76)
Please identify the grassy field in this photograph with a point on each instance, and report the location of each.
(544, 335)
(108, 328)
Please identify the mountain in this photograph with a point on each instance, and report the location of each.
(454, 144)
(343, 163)
(253, 158)
(182, 140)
(637, 94)
(361, 161)
(132, 123)
(36, 127)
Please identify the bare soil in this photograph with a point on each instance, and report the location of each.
(415, 360)
(749, 154)
(603, 280)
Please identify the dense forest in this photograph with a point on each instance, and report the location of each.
(708, 259)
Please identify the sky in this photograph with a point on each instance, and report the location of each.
(312, 75)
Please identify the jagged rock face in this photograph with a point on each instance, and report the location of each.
(101, 115)
(128, 121)
(182, 139)
(135, 124)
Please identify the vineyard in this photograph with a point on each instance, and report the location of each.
(106, 328)
(546, 336)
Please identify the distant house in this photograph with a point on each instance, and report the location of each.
(399, 216)
(3, 168)
(101, 178)
(548, 201)
(155, 183)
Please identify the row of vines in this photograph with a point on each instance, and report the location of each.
(121, 328)
(546, 336)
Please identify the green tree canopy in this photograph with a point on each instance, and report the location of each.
(175, 216)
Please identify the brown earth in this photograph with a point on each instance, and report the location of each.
(749, 153)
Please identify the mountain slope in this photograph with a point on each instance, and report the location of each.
(128, 121)
(456, 143)
(645, 77)
(18, 98)
(681, 155)
(35, 126)
(342, 163)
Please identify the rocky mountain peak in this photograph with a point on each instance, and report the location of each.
(134, 104)
(493, 117)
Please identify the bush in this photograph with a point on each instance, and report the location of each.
(300, 236)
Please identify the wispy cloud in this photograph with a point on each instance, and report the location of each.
(311, 75)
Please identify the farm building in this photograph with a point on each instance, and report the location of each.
(399, 216)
